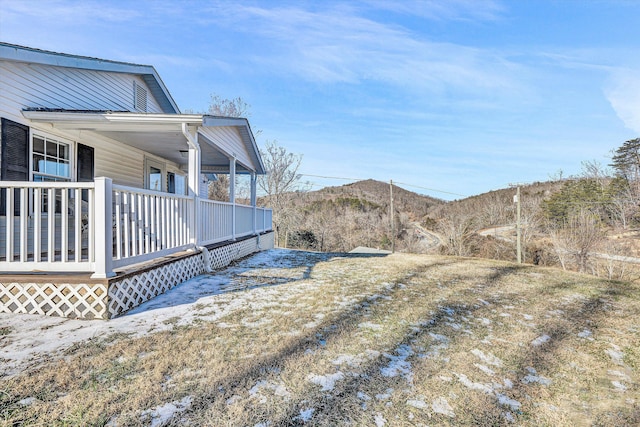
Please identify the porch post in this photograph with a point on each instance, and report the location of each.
(194, 192)
(193, 180)
(104, 228)
(254, 200)
(232, 195)
(194, 171)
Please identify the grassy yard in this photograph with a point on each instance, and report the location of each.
(301, 338)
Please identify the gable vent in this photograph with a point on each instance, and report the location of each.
(139, 97)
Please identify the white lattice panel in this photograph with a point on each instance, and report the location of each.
(133, 290)
(94, 301)
(266, 241)
(87, 301)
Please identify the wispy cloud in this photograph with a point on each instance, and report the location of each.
(450, 10)
(340, 45)
(70, 11)
(623, 93)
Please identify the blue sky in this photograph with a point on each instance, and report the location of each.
(459, 96)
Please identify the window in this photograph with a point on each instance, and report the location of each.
(51, 159)
(155, 177)
(177, 183)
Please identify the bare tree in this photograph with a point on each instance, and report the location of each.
(578, 238)
(281, 179)
(219, 189)
(224, 107)
(457, 233)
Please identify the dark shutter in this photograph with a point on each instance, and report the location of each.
(85, 163)
(14, 160)
(85, 169)
(15, 151)
(171, 182)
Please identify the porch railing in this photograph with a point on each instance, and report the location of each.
(98, 227)
(223, 221)
(47, 226)
(148, 224)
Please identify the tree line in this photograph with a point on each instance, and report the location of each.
(566, 222)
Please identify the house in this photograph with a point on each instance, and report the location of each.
(103, 186)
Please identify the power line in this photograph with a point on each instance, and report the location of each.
(331, 177)
(400, 183)
(431, 189)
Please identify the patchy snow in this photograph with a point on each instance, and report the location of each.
(398, 365)
(487, 358)
(532, 377)
(441, 406)
(233, 399)
(327, 382)
(379, 420)
(386, 395)
(363, 396)
(542, 339)
(305, 415)
(208, 297)
(438, 337)
(585, 334)
(507, 401)
(369, 325)
(162, 415)
(619, 386)
(417, 403)
(486, 388)
(27, 401)
(277, 389)
(615, 354)
(485, 369)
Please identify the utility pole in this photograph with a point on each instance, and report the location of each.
(518, 226)
(393, 223)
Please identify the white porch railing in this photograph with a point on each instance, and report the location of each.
(149, 224)
(97, 227)
(46, 226)
(221, 222)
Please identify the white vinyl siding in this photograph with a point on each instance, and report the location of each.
(128, 170)
(45, 86)
(228, 139)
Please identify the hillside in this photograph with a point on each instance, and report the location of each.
(377, 192)
(358, 214)
(323, 339)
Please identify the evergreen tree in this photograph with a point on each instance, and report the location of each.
(626, 160)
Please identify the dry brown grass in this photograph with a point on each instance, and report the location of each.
(397, 340)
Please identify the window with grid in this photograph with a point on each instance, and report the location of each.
(50, 159)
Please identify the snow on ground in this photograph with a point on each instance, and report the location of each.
(161, 415)
(211, 297)
(32, 338)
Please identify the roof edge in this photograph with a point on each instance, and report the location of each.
(19, 53)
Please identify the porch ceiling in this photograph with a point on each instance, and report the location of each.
(158, 134)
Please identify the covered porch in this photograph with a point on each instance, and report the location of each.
(102, 225)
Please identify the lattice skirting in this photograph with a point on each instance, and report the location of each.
(102, 301)
(137, 288)
(86, 301)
